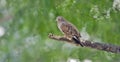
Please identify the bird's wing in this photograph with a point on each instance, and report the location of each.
(64, 28)
(69, 29)
(74, 30)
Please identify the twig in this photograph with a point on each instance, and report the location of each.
(86, 43)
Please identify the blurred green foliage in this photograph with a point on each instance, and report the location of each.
(26, 32)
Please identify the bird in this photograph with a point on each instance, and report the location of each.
(69, 30)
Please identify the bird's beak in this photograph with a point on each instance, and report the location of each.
(56, 19)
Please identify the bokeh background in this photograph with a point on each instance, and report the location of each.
(25, 25)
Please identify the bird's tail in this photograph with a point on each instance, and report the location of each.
(76, 39)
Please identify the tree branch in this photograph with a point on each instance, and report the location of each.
(86, 43)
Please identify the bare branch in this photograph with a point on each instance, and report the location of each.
(86, 43)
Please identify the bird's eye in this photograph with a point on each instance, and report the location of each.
(59, 19)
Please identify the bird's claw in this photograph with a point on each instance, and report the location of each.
(50, 35)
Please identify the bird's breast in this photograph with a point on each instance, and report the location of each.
(59, 26)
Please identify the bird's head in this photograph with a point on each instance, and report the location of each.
(59, 19)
